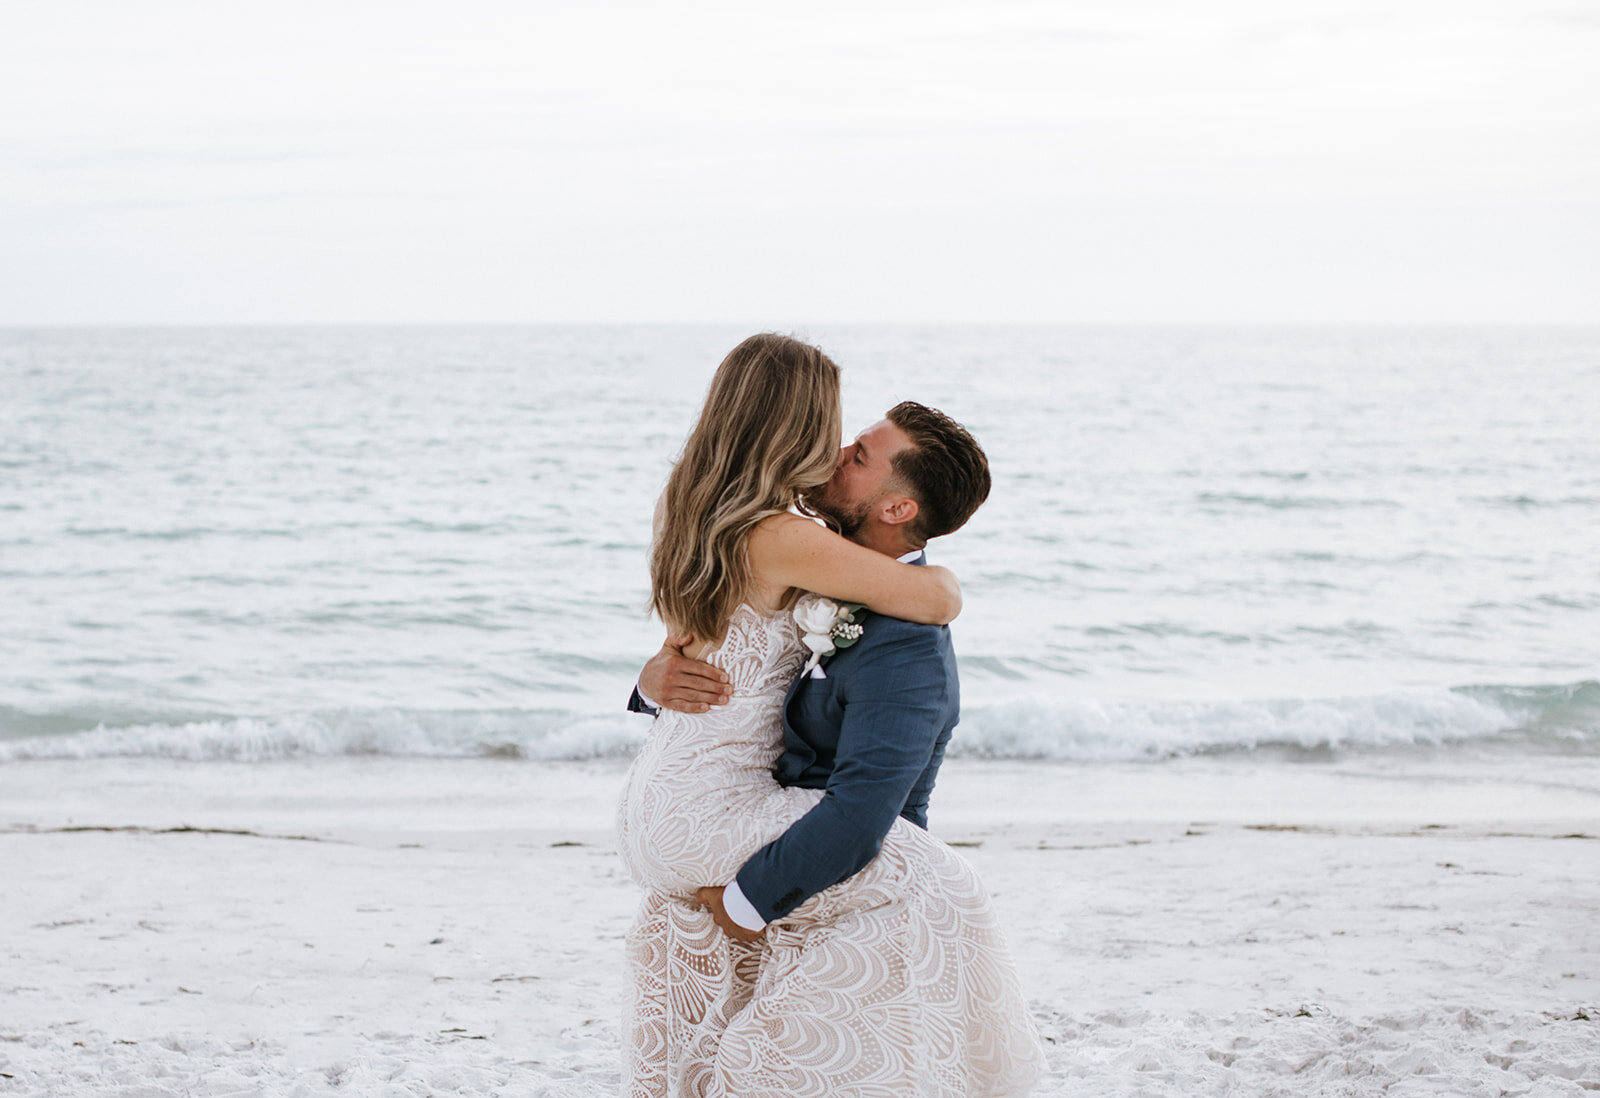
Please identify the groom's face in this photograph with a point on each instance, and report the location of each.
(863, 477)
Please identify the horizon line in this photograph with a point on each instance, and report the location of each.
(417, 324)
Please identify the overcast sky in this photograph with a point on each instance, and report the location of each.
(506, 160)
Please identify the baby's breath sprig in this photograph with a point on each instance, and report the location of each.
(846, 633)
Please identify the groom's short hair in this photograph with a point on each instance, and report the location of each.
(944, 470)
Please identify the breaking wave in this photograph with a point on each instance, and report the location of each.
(1558, 719)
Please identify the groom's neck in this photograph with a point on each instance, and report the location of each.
(888, 540)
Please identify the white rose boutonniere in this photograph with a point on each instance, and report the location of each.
(826, 626)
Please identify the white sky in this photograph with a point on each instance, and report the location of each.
(167, 161)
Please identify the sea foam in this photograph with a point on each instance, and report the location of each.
(1561, 718)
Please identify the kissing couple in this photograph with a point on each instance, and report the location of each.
(801, 932)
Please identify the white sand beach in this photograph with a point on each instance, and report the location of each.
(420, 926)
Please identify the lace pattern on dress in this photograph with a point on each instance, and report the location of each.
(896, 981)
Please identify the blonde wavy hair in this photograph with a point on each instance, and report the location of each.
(770, 427)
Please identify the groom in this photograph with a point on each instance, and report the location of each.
(869, 726)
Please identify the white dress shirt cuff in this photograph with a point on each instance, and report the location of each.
(646, 698)
(739, 909)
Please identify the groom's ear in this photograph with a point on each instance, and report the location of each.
(897, 510)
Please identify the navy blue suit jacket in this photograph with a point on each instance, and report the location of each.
(871, 736)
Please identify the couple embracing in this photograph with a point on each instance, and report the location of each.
(802, 933)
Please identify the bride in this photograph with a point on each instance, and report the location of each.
(893, 981)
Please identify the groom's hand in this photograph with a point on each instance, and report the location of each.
(675, 681)
(712, 898)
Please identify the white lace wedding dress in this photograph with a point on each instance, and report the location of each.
(895, 982)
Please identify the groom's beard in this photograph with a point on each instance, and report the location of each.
(848, 519)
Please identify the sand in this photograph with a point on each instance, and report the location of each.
(387, 926)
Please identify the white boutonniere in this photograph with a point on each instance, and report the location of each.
(826, 626)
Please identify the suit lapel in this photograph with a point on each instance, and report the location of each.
(794, 688)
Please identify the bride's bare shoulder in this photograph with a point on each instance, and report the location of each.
(773, 541)
(775, 530)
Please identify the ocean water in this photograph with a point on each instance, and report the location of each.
(248, 543)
